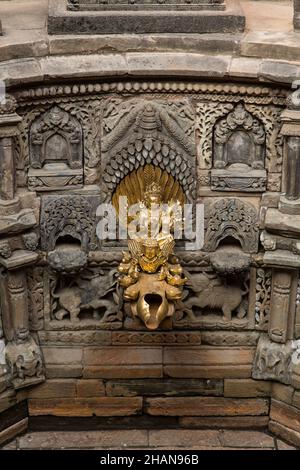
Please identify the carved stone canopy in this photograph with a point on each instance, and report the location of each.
(140, 132)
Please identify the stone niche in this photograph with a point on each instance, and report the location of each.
(144, 16)
(56, 152)
(239, 152)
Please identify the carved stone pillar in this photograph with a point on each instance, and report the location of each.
(17, 251)
(280, 304)
(290, 199)
(8, 129)
(17, 294)
(23, 354)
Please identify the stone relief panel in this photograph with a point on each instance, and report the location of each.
(234, 218)
(90, 299)
(263, 298)
(139, 132)
(56, 151)
(25, 362)
(273, 361)
(211, 301)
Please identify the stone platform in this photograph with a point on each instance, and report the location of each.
(188, 439)
(178, 17)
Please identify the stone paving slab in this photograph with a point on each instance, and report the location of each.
(164, 439)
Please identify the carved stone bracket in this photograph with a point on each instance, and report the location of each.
(273, 361)
(25, 362)
(22, 353)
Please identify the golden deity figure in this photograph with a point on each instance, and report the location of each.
(150, 273)
(157, 219)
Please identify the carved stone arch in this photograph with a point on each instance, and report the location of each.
(240, 138)
(141, 132)
(67, 215)
(235, 218)
(230, 231)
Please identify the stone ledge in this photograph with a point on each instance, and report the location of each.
(139, 64)
(12, 431)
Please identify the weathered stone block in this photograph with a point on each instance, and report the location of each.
(209, 372)
(282, 392)
(90, 388)
(54, 389)
(87, 439)
(208, 356)
(63, 371)
(296, 399)
(183, 438)
(246, 439)
(117, 356)
(231, 422)
(285, 432)
(13, 430)
(246, 388)
(62, 356)
(122, 372)
(285, 415)
(103, 406)
(166, 387)
(206, 406)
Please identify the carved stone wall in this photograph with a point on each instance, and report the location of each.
(63, 316)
